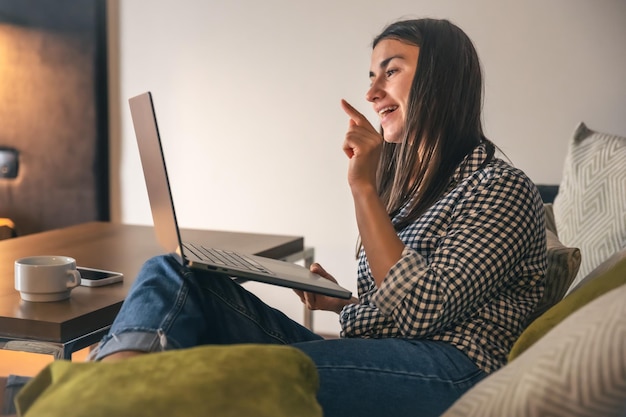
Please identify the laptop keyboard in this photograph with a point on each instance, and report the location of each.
(226, 258)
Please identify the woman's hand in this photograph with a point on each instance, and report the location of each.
(322, 302)
(362, 145)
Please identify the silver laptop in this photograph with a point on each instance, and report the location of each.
(196, 256)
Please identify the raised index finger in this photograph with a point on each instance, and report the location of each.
(354, 114)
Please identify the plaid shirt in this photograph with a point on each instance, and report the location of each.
(471, 272)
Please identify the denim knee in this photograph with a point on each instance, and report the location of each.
(161, 311)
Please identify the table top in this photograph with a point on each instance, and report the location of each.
(103, 245)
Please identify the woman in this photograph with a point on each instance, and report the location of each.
(452, 249)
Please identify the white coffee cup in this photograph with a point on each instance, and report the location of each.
(46, 278)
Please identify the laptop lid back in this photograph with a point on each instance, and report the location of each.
(155, 174)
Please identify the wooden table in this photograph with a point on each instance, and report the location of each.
(60, 328)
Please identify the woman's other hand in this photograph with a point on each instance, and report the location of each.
(323, 302)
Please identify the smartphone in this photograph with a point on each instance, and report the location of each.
(91, 277)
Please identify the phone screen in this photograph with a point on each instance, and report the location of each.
(94, 275)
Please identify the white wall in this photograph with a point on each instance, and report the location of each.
(247, 95)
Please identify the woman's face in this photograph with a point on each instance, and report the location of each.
(391, 74)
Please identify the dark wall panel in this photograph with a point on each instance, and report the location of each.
(53, 111)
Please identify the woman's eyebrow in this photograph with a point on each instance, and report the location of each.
(385, 62)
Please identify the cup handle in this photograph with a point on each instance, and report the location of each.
(75, 282)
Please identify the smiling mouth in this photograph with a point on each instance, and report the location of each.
(384, 112)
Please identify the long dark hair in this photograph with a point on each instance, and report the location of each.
(443, 121)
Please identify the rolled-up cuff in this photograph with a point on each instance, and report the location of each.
(136, 340)
(400, 281)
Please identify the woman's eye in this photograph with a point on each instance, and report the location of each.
(390, 72)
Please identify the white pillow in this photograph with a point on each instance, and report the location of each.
(590, 207)
(577, 369)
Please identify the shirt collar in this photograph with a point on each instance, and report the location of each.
(470, 164)
(467, 167)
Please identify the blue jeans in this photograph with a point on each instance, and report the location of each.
(171, 307)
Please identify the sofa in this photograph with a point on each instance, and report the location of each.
(571, 358)
(569, 361)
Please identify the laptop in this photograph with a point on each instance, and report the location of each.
(237, 265)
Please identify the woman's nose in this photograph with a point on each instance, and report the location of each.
(374, 93)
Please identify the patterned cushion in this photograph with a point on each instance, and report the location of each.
(578, 369)
(590, 208)
(603, 268)
(563, 264)
(610, 279)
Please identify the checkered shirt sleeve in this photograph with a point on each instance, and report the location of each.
(471, 271)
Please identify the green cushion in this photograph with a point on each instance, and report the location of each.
(609, 280)
(233, 380)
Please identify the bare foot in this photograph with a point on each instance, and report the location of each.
(123, 354)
